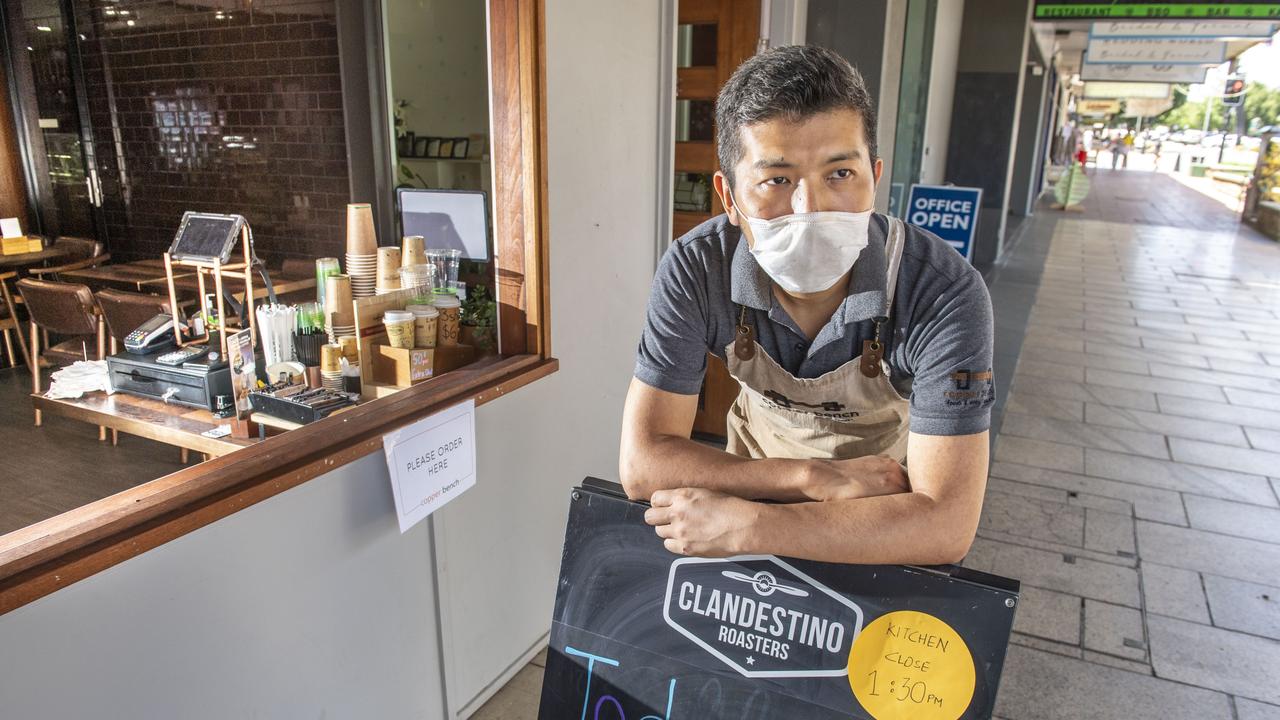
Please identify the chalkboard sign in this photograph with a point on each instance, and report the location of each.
(205, 236)
(641, 634)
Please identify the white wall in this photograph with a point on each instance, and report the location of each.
(311, 604)
(942, 89)
(602, 113)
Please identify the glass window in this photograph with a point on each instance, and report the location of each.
(696, 45)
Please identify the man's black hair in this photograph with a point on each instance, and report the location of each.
(793, 82)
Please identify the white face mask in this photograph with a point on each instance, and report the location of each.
(808, 252)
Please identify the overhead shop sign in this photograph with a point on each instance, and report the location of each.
(1220, 29)
(947, 211)
(1150, 51)
(1138, 10)
(1110, 90)
(1144, 73)
(1098, 107)
(640, 633)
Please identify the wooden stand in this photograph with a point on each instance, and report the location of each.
(216, 269)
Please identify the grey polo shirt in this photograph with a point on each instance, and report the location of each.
(939, 353)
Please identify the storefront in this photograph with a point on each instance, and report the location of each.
(274, 576)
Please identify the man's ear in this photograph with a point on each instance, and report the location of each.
(721, 185)
(877, 169)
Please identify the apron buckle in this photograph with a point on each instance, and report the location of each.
(872, 354)
(744, 342)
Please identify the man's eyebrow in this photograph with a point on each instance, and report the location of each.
(766, 163)
(844, 156)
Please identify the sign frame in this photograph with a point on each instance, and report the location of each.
(614, 648)
(967, 250)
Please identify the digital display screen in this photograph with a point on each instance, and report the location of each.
(204, 236)
(447, 220)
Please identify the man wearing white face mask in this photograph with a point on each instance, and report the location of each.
(860, 344)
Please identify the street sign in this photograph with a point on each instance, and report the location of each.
(947, 211)
(1098, 107)
(1144, 73)
(1160, 51)
(1186, 28)
(1233, 92)
(640, 633)
(1108, 90)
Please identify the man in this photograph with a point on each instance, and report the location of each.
(859, 344)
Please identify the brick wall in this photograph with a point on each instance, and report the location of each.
(219, 110)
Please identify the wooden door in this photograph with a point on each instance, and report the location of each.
(713, 38)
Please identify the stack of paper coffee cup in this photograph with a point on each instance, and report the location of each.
(331, 366)
(339, 309)
(362, 249)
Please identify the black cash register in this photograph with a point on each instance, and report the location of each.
(194, 383)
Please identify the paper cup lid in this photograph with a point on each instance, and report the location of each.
(396, 316)
(423, 310)
(446, 300)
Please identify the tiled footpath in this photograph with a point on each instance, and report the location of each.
(1135, 486)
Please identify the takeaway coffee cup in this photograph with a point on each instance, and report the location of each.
(413, 250)
(399, 326)
(450, 308)
(331, 358)
(424, 325)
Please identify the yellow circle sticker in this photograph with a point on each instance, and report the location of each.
(908, 664)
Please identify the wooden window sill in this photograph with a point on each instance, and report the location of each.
(47, 556)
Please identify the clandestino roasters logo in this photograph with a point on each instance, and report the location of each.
(761, 616)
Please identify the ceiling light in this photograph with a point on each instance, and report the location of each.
(44, 28)
(130, 23)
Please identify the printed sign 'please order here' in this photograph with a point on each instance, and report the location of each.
(431, 462)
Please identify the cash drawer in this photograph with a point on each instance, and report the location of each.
(141, 375)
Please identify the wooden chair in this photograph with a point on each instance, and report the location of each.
(123, 311)
(82, 253)
(9, 320)
(65, 309)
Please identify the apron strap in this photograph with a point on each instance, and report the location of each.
(897, 240)
(873, 351)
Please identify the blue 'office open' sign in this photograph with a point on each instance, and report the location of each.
(947, 211)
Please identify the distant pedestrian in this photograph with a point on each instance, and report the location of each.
(1082, 157)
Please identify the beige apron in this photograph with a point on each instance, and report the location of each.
(849, 412)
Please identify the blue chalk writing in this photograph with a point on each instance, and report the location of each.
(591, 665)
(586, 697)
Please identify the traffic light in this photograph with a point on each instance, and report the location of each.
(1233, 93)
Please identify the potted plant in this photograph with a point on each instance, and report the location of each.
(480, 321)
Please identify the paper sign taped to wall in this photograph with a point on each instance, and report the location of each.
(431, 462)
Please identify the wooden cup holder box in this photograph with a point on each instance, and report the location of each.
(403, 367)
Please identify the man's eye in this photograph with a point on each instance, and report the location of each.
(776, 181)
(843, 173)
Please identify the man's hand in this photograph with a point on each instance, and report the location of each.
(867, 476)
(695, 521)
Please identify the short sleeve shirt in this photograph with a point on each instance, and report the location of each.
(939, 351)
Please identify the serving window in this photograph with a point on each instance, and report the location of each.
(439, 294)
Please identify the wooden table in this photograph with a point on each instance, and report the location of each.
(176, 425)
(148, 276)
(25, 259)
(189, 283)
(133, 277)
